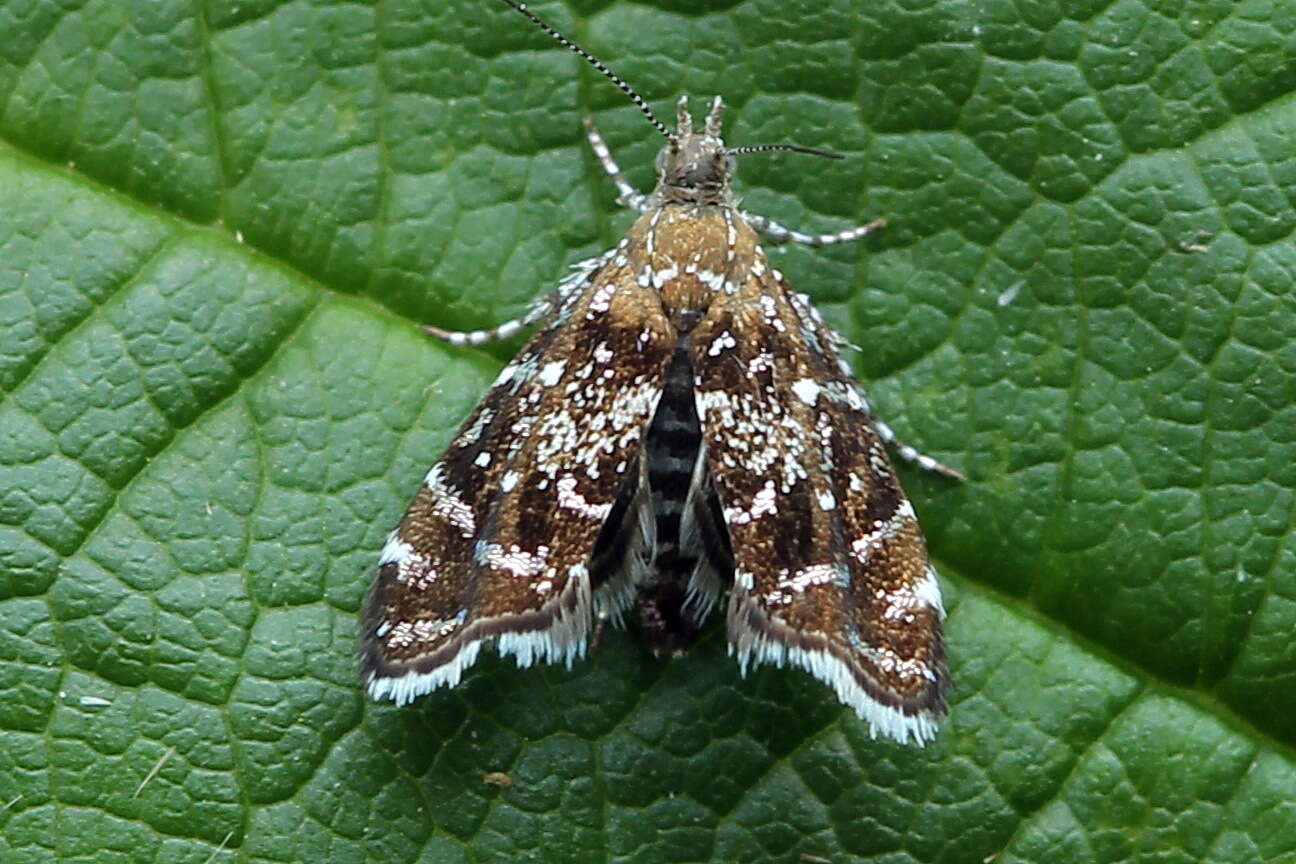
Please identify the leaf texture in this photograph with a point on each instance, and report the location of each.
(223, 224)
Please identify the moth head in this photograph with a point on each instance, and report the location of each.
(695, 167)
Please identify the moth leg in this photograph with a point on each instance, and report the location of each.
(568, 288)
(627, 195)
(496, 334)
(596, 635)
(905, 451)
(910, 454)
(886, 433)
(776, 233)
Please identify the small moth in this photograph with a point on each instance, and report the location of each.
(680, 428)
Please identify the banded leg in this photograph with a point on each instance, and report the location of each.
(504, 331)
(886, 433)
(911, 455)
(776, 233)
(626, 194)
(905, 451)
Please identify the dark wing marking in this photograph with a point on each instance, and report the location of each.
(830, 570)
(622, 553)
(497, 541)
(687, 571)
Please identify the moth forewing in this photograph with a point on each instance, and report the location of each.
(497, 542)
(831, 573)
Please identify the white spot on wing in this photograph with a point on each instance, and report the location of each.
(552, 372)
(570, 499)
(515, 560)
(862, 548)
(721, 343)
(807, 390)
(474, 432)
(712, 280)
(601, 301)
(395, 550)
(928, 591)
(447, 504)
(664, 275)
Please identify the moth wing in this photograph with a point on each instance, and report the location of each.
(496, 542)
(830, 569)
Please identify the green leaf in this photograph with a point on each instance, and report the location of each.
(224, 222)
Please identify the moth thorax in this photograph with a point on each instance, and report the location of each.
(684, 319)
(695, 168)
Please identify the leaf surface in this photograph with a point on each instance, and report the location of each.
(224, 223)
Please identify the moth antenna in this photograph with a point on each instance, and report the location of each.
(765, 148)
(597, 64)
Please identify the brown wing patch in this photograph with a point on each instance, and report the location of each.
(496, 541)
(830, 569)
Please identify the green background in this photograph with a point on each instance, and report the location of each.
(223, 222)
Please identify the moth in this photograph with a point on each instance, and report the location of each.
(681, 431)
